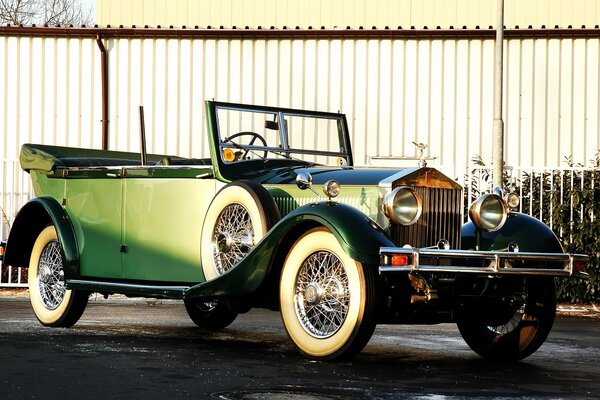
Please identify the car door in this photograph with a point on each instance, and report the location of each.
(163, 212)
(93, 200)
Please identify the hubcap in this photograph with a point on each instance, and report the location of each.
(233, 237)
(313, 294)
(322, 296)
(51, 279)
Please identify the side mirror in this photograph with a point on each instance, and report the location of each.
(272, 125)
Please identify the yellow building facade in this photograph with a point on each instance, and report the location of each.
(343, 13)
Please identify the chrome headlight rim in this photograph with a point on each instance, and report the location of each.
(512, 200)
(416, 207)
(331, 189)
(482, 205)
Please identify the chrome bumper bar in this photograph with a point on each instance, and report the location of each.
(433, 260)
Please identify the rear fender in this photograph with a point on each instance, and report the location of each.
(360, 237)
(529, 233)
(30, 221)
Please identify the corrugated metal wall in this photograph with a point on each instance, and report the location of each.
(395, 91)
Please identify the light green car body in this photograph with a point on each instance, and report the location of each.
(136, 230)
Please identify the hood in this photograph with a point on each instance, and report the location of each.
(356, 176)
(344, 176)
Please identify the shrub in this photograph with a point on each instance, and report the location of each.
(567, 201)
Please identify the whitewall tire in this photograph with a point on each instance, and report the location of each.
(52, 303)
(327, 299)
(239, 216)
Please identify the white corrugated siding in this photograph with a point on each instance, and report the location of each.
(394, 91)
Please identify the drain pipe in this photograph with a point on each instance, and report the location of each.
(104, 67)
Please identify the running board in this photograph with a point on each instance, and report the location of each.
(129, 289)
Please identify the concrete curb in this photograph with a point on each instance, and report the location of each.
(579, 310)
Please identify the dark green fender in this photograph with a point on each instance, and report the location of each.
(529, 233)
(30, 221)
(360, 237)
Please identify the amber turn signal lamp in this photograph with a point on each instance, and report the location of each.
(228, 155)
(399, 260)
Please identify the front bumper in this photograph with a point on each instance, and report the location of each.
(432, 260)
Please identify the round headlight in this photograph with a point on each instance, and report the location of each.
(331, 189)
(488, 212)
(402, 206)
(512, 200)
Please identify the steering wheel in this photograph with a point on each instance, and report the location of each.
(254, 137)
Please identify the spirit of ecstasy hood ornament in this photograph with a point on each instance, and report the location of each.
(421, 147)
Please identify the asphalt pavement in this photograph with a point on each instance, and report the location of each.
(148, 349)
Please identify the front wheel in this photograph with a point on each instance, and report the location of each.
(239, 216)
(52, 303)
(327, 299)
(521, 332)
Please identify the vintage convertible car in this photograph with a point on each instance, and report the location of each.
(247, 228)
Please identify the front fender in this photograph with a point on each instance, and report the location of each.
(29, 222)
(529, 233)
(360, 237)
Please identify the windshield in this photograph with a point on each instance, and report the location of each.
(255, 133)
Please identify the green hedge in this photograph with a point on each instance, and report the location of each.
(572, 207)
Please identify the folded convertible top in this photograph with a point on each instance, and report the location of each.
(47, 158)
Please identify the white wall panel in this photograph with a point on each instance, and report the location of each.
(579, 99)
(394, 91)
(592, 133)
(553, 104)
(4, 98)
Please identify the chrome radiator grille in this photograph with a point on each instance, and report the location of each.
(441, 219)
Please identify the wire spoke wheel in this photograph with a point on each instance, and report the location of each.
(233, 237)
(53, 304)
(322, 296)
(51, 279)
(517, 332)
(327, 298)
(210, 314)
(238, 217)
(511, 325)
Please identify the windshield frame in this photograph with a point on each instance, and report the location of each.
(232, 170)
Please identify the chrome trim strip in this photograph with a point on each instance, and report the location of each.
(485, 271)
(498, 262)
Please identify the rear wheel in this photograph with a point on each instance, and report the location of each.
(327, 299)
(210, 314)
(522, 330)
(52, 303)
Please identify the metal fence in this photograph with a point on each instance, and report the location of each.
(535, 186)
(15, 190)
